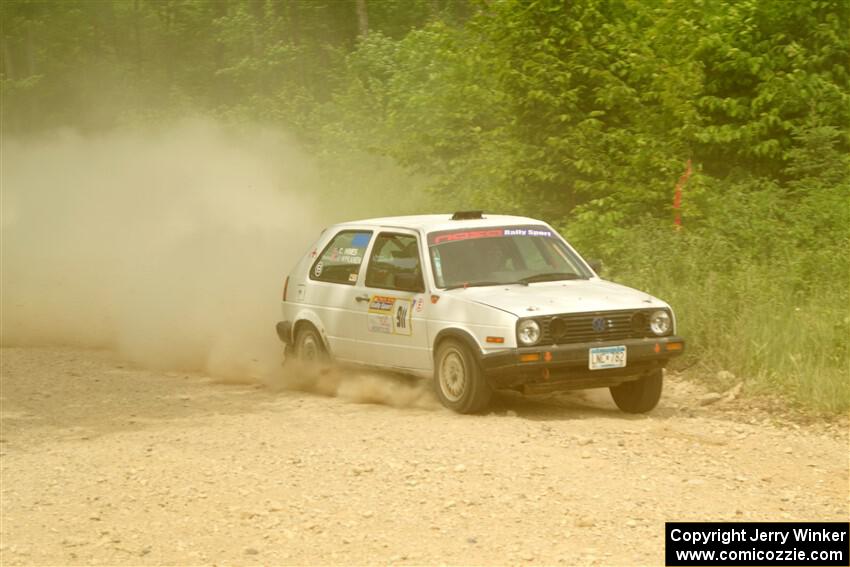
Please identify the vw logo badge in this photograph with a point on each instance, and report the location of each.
(599, 324)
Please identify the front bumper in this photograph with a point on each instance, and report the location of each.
(566, 367)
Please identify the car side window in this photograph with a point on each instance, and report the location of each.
(341, 259)
(395, 264)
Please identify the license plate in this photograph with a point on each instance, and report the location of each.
(607, 357)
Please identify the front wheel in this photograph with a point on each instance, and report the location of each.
(641, 395)
(458, 379)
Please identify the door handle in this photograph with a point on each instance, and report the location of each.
(360, 298)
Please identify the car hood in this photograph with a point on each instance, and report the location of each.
(549, 298)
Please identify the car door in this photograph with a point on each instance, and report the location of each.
(392, 327)
(335, 277)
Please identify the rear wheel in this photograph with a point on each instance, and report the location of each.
(458, 379)
(641, 395)
(308, 345)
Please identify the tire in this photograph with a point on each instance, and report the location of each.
(458, 380)
(288, 353)
(641, 395)
(308, 345)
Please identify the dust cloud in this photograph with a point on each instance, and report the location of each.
(168, 247)
(359, 387)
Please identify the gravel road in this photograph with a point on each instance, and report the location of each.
(103, 463)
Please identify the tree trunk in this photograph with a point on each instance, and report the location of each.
(30, 50)
(8, 63)
(433, 10)
(137, 35)
(362, 18)
(33, 106)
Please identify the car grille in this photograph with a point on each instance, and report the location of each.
(609, 326)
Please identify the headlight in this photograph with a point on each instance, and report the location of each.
(528, 332)
(660, 322)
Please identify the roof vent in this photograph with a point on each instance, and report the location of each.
(468, 215)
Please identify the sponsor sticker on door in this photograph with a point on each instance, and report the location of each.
(381, 314)
(380, 323)
(390, 315)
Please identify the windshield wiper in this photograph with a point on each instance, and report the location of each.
(480, 284)
(551, 277)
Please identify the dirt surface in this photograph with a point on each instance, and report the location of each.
(103, 463)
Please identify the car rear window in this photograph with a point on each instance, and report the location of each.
(341, 259)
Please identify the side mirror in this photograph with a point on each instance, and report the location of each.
(596, 265)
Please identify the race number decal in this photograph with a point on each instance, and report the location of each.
(402, 317)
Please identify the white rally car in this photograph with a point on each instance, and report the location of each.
(479, 303)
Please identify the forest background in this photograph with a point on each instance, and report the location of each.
(585, 113)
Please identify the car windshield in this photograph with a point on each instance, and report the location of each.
(501, 255)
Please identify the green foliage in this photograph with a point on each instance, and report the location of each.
(779, 322)
(770, 64)
(90, 63)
